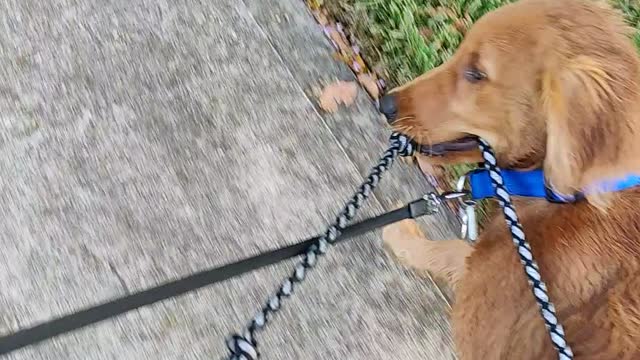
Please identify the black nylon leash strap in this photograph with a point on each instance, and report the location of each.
(92, 315)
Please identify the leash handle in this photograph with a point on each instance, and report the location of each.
(244, 346)
(548, 311)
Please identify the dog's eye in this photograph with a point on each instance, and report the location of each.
(474, 75)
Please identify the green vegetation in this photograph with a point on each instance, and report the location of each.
(405, 38)
(631, 10)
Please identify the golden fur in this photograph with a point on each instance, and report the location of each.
(562, 92)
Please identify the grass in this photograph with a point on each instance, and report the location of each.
(405, 38)
(402, 39)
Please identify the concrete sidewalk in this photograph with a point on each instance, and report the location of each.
(141, 141)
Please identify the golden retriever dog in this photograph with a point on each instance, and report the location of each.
(551, 84)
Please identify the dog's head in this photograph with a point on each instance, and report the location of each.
(547, 83)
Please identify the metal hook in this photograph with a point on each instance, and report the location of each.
(469, 227)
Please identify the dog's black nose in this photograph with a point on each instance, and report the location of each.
(388, 107)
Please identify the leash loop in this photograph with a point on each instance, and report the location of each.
(245, 346)
(531, 269)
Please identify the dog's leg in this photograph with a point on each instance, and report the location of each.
(445, 259)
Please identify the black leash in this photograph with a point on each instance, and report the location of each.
(243, 346)
(92, 315)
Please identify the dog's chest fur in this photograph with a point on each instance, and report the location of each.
(589, 261)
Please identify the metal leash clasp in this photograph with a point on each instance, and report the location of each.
(433, 203)
(467, 212)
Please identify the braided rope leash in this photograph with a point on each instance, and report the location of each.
(523, 248)
(244, 347)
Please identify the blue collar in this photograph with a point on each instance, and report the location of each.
(531, 183)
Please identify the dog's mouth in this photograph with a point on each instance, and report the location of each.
(466, 143)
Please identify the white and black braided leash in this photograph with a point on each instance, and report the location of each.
(556, 332)
(244, 346)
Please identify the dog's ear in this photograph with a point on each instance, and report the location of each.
(582, 101)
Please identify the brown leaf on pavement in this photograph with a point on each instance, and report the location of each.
(315, 4)
(369, 82)
(340, 41)
(339, 92)
(321, 17)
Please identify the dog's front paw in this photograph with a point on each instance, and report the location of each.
(405, 242)
(442, 259)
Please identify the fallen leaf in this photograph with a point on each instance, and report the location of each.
(358, 63)
(315, 4)
(338, 56)
(340, 92)
(321, 17)
(338, 39)
(369, 82)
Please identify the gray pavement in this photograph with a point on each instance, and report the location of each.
(141, 141)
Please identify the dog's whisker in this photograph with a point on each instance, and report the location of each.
(408, 130)
(404, 119)
(402, 126)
